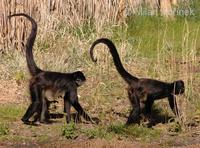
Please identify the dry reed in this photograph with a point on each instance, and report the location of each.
(50, 13)
(72, 12)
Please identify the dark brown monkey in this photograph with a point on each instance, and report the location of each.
(142, 92)
(45, 81)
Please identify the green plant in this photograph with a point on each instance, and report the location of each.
(4, 130)
(19, 76)
(69, 131)
(175, 128)
(97, 132)
(134, 131)
(10, 112)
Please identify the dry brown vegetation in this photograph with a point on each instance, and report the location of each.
(49, 14)
(72, 13)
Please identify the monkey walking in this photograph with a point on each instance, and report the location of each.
(43, 81)
(142, 92)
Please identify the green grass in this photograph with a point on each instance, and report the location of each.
(4, 129)
(135, 132)
(9, 113)
(148, 34)
(72, 131)
(69, 131)
(97, 132)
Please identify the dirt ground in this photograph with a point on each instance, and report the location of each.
(13, 95)
(10, 92)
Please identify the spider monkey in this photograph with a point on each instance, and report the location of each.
(55, 82)
(142, 92)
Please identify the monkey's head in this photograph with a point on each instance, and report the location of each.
(179, 87)
(79, 78)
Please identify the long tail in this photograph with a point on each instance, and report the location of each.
(118, 64)
(33, 69)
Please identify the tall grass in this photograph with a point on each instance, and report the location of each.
(50, 13)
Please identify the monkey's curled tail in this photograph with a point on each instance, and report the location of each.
(33, 69)
(118, 64)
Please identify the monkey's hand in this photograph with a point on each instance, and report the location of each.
(95, 120)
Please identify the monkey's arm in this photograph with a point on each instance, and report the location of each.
(173, 104)
(77, 106)
(67, 106)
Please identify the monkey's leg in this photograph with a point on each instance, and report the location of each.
(35, 105)
(77, 106)
(44, 111)
(43, 114)
(135, 112)
(47, 113)
(173, 105)
(81, 112)
(67, 107)
(148, 106)
(148, 111)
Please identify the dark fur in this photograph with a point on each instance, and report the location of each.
(41, 81)
(142, 92)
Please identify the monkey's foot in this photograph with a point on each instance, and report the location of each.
(45, 122)
(31, 123)
(95, 120)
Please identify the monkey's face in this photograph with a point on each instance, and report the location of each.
(179, 87)
(79, 78)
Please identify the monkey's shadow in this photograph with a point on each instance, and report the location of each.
(52, 119)
(157, 117)
(75, 117)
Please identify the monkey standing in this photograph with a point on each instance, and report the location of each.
(43, 81)
(140, 88)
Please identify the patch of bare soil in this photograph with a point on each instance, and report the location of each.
(100, 143)
(95, 143)
(10, 92)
